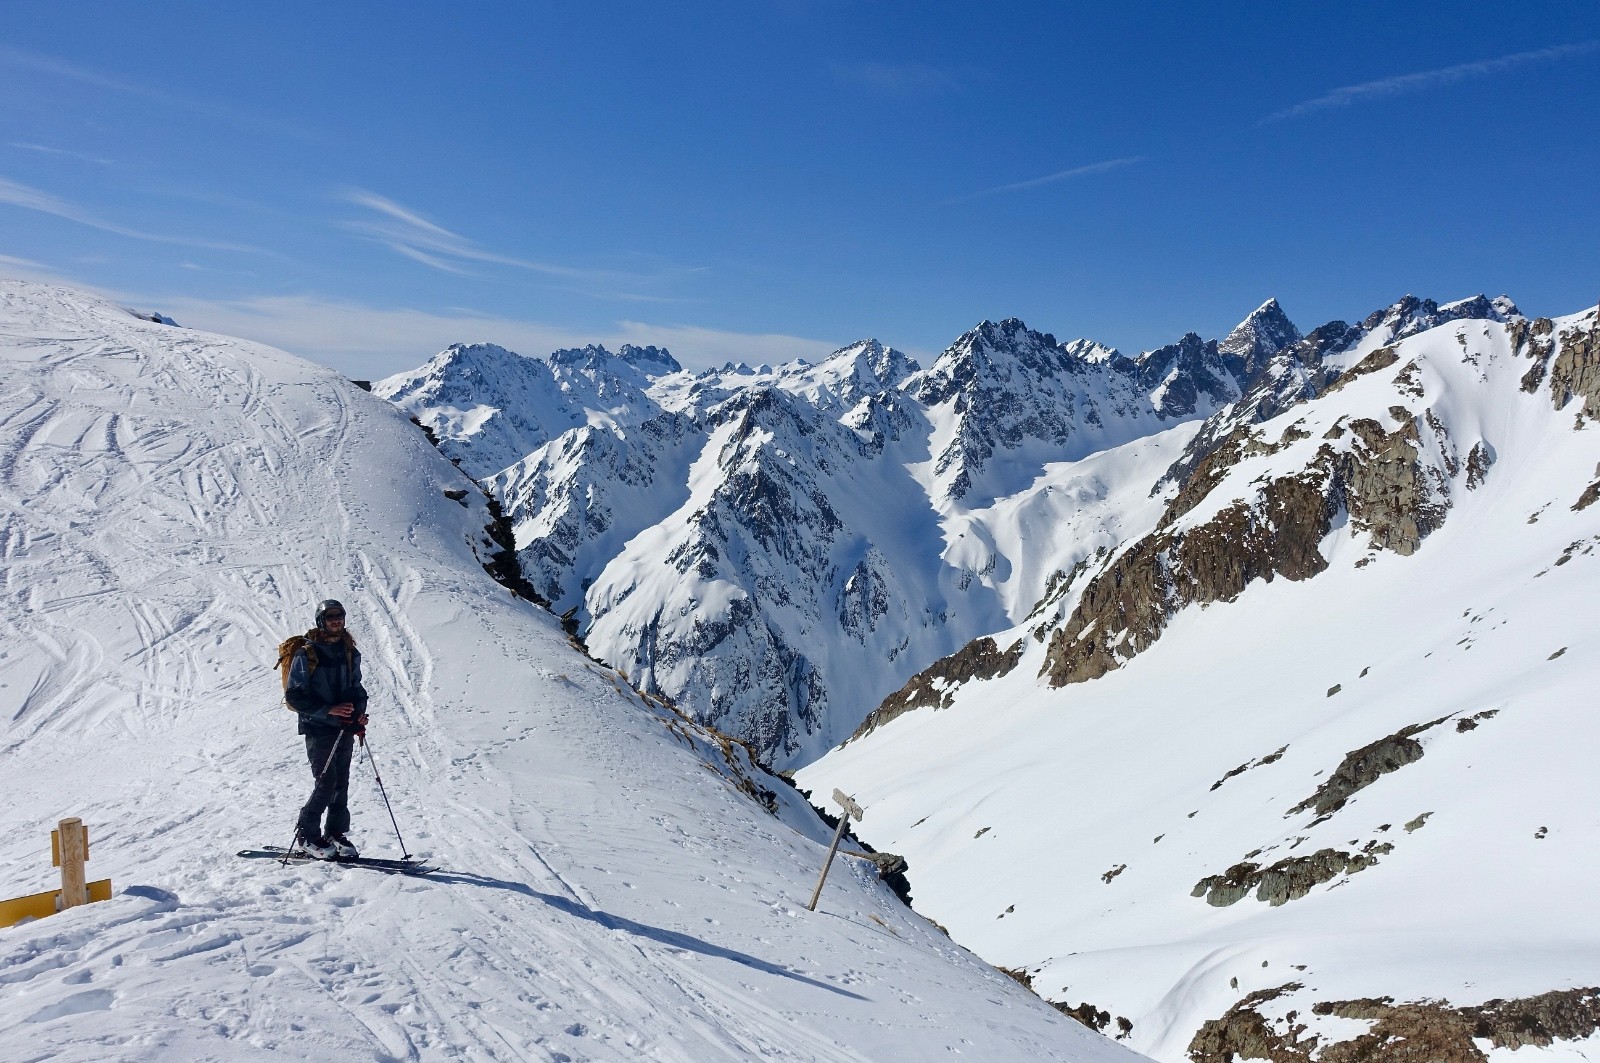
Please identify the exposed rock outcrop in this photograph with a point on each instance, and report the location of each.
(935, 686)
(1362, 767)
(1430, 1030)
(1288, 879)
(1391, 492)
(1575, 373)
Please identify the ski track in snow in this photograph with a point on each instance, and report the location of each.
(174, 505)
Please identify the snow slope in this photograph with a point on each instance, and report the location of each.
(174, 503)
(1087, 833)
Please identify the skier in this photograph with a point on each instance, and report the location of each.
(324, 689)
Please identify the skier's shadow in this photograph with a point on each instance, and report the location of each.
(670, 938)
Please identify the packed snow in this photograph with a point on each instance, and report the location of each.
(612, 886)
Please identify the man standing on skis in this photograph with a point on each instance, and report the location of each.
(324, 689)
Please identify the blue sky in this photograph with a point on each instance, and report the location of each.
(762, 179)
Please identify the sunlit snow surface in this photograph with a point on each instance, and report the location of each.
(1016, 806)
(174, 504)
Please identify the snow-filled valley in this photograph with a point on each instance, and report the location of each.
(614, 885)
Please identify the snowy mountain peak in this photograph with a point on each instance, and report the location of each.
(1186, 378)
(1411, 315)
(889, 365)
(1090, 351)
(1480, 307)
(648, 362)
(989, 351)
(1256, 339)
(487, 406)
(847, 376)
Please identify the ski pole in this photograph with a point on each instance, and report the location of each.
(404, 855)
(325, 766)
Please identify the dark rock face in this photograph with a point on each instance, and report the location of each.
(1591, 494)
(1576, 372)
(1389, 492)
(1382, 358)
(1288, 879)
(1247, 349)
(1414, 1032)
(1293, 375)
(892, 870)
(1271, 758)
(1184, 373)
(1533, 340)
(935, 686)
(1362, 767)
(1481, 457)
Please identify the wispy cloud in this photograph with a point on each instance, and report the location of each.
(49, 65)
(13, 262)
(900, 79)
(407, 232)
(1428, 79)
(1051, 178)
(43, 149)
(20, 195)
(368, 341)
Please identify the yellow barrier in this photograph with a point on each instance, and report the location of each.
(69, 850)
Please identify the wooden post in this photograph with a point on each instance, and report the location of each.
(72, 850)
(69, 850)
(848, 809)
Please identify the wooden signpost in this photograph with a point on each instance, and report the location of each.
(851, 810)
(69, 850)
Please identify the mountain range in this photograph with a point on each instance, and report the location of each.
(775, 550)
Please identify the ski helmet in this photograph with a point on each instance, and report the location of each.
(328, 608)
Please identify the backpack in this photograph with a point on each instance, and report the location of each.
(286, 651)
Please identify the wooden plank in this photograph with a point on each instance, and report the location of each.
(40, 905)
(35, 907)
(850, 807)
(74, 852)
(55, 846)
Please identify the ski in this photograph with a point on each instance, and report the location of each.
(413, 866)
